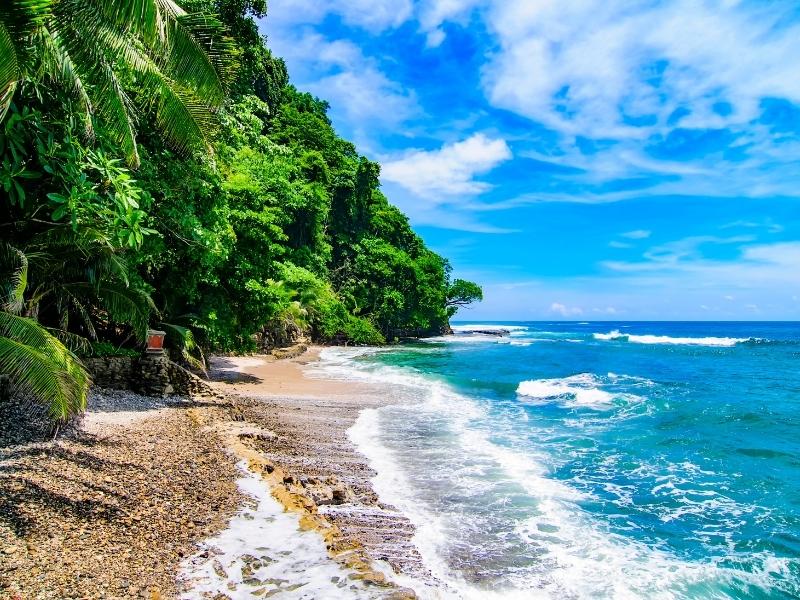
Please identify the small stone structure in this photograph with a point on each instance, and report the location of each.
(149, 375)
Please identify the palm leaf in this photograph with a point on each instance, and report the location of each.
(73, 341)
(182, 339)
(18, 19)
(58, 64)
(154, 39)
(37, 362)
(16, 262)
(126, 305)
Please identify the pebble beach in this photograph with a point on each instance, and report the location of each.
(253, 492)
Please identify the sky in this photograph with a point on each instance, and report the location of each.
(582, 160)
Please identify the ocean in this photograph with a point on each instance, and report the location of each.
(592, 460)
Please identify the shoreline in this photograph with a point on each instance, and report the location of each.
(320, 473)
(161, 482)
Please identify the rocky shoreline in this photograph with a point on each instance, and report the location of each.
(117, 507)
(110, 509)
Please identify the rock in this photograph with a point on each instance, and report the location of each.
(219, 570)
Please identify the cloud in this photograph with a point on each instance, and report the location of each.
(372, 15)
(432, 14)
(677, 253)
(366, 96)
(637, 234)
(361, 95)
(767, 224)
(450, 170)
(691, 94)
(616, 244)
(608, 68)
(565, 311)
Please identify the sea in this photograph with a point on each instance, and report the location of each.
(591, 459)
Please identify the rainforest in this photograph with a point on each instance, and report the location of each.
(159, 170)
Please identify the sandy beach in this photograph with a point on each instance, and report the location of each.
(138, 501)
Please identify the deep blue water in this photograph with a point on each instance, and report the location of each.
(596, 460)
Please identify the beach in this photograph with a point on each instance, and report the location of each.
(137, 501)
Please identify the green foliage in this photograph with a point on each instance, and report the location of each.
(280, 229)
(34, 359)
(462, 293)
(112, 56)
(107, 349)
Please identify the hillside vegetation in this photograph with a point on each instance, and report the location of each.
(159, 169)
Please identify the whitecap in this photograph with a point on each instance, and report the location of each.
(583, 390)
(291, 558)
(616, 335)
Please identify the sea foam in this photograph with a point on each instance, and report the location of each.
(263, 548)
(583, 390)
(616, 335)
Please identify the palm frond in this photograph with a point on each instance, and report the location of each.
(200, 56)
(14, 263)
(73, 341)
(125, 305)
(57, 63)
(10, 72)
(128, 305)
(180, 59)
(182, 339)
(18, 19)
(39, 363)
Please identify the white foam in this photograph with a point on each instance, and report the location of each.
(577, 555)
(664, 339)
(294, 561)
(583, 390)
(489, 327)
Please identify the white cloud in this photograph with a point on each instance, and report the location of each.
(432, 14)
(584, 67)
(616, 244)
(373, 15)
(678, 253)
(565, 311)
(361, 95)
(637, 234)
(449, 171)
(366, 96)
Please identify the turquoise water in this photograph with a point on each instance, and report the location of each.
(595, 460)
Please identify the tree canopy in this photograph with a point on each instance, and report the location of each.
(159, 168)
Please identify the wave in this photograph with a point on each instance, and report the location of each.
(618, 336)
(583, 390)
(474, 489)
(264, 528)
(472, 471)
(487, 327)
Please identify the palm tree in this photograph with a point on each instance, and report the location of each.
(33, 358)
(116, 56)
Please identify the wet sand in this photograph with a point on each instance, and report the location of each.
(310, 418)
(124, 504)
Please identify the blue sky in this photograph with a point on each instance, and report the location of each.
(609, 159)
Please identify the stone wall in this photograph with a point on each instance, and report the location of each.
(150, 375)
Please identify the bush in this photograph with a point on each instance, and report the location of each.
(362, 332)
(106, 349)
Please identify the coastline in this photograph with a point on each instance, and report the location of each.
(318, 470)
(159, 483)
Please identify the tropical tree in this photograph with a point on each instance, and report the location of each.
(116, 56)
(462, 293)
(32, 357)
